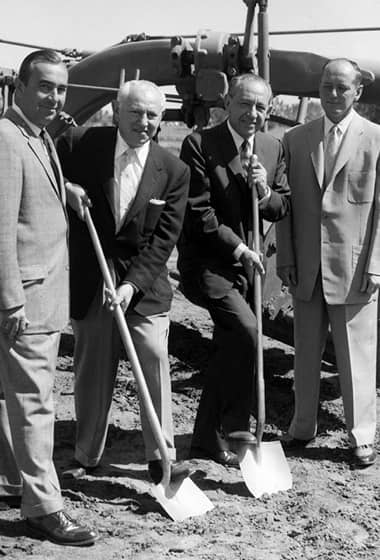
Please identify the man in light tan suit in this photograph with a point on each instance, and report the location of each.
(34, 297)
(329, 256)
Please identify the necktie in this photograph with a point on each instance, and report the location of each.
(47, 148)
(245, 155)
(128, 175)
(331, 150)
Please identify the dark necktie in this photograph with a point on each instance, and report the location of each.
(47, 147)
(245, 155)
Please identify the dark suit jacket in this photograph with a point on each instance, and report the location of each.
(146, 239)
(219, 211)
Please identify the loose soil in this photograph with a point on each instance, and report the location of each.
(331, 513)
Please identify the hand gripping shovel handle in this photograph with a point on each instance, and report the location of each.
(258, 312)
(131, 352)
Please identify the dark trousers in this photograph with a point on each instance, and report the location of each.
(226, 399)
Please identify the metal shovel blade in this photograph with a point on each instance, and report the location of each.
(182, 500)
(264, 468)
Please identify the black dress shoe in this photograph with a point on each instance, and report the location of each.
(290, 442)
(178, 472)
(59, 528)
(364, 455)
(10, 502)
(76, 470)
(226, 458)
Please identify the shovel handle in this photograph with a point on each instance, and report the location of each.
(131, 352)
(260, 386)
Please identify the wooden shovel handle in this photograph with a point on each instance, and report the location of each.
(258, 312)
(131, 352)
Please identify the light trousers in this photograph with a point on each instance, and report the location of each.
(96, 358)
(354, 331)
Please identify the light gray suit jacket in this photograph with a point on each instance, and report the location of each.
(33, 229)
(334, 228)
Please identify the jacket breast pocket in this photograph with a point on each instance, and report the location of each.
(360, 187)
(152, 215)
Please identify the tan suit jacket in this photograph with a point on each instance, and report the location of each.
(332, 227)
(33, 229)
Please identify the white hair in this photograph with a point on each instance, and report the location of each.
(144, 85)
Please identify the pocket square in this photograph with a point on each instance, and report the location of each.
(157, 202)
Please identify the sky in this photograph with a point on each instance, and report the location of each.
(96, 24)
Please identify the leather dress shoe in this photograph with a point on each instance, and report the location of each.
(364, 455)
(76, 470)
(226, 458)
(290, 442)
(10, 502)
(178, 472)
(59, 528)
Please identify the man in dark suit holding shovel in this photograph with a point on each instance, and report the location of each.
(138, 194)
(215, 262)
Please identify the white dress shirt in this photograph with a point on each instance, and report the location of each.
(129, 164)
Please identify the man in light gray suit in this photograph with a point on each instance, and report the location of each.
(34, 297)
(329, 254)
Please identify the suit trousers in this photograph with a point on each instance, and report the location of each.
(27, 369)
(354, 331)
(226, 399)
(96, 358)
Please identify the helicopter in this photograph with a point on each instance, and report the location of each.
(199, 67)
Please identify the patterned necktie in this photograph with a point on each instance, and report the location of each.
(245, 155)
(331, 150)
(129, 174)
(48, 151)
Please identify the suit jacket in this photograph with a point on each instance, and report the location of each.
(219, 212)
(33, 229)
(141, 248)
(333, 228)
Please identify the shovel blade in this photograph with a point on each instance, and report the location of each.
(182, 500)
(265, 469)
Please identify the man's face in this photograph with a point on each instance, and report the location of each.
(139, 115)
(45, 93)
(338, 90)
(248, 108)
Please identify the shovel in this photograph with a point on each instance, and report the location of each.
(180, 498)
(263, 464)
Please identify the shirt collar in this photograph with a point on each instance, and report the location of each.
(141, 151)
(343, 124)
(33, 127)
(239, 139)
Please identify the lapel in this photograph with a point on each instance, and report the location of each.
(315, 138)
(230, 154)
(350, 139)
(35, 144)
(107, 169)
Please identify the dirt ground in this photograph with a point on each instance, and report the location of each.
(331, 513)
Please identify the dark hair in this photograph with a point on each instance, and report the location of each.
(249, 77)
(45, 55)
(358, 73)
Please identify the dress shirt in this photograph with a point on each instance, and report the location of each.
(238, 140)
(342, 125)
(129, 165)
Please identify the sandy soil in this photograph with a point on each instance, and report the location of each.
(331, 513)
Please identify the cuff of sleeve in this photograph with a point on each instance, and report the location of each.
(265, 199)
(239, 251)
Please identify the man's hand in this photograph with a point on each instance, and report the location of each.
(122, 297)
(257, 175)
(251, 261)
(13, 322)
(77, 198)
(371, 283)
(288, 275)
